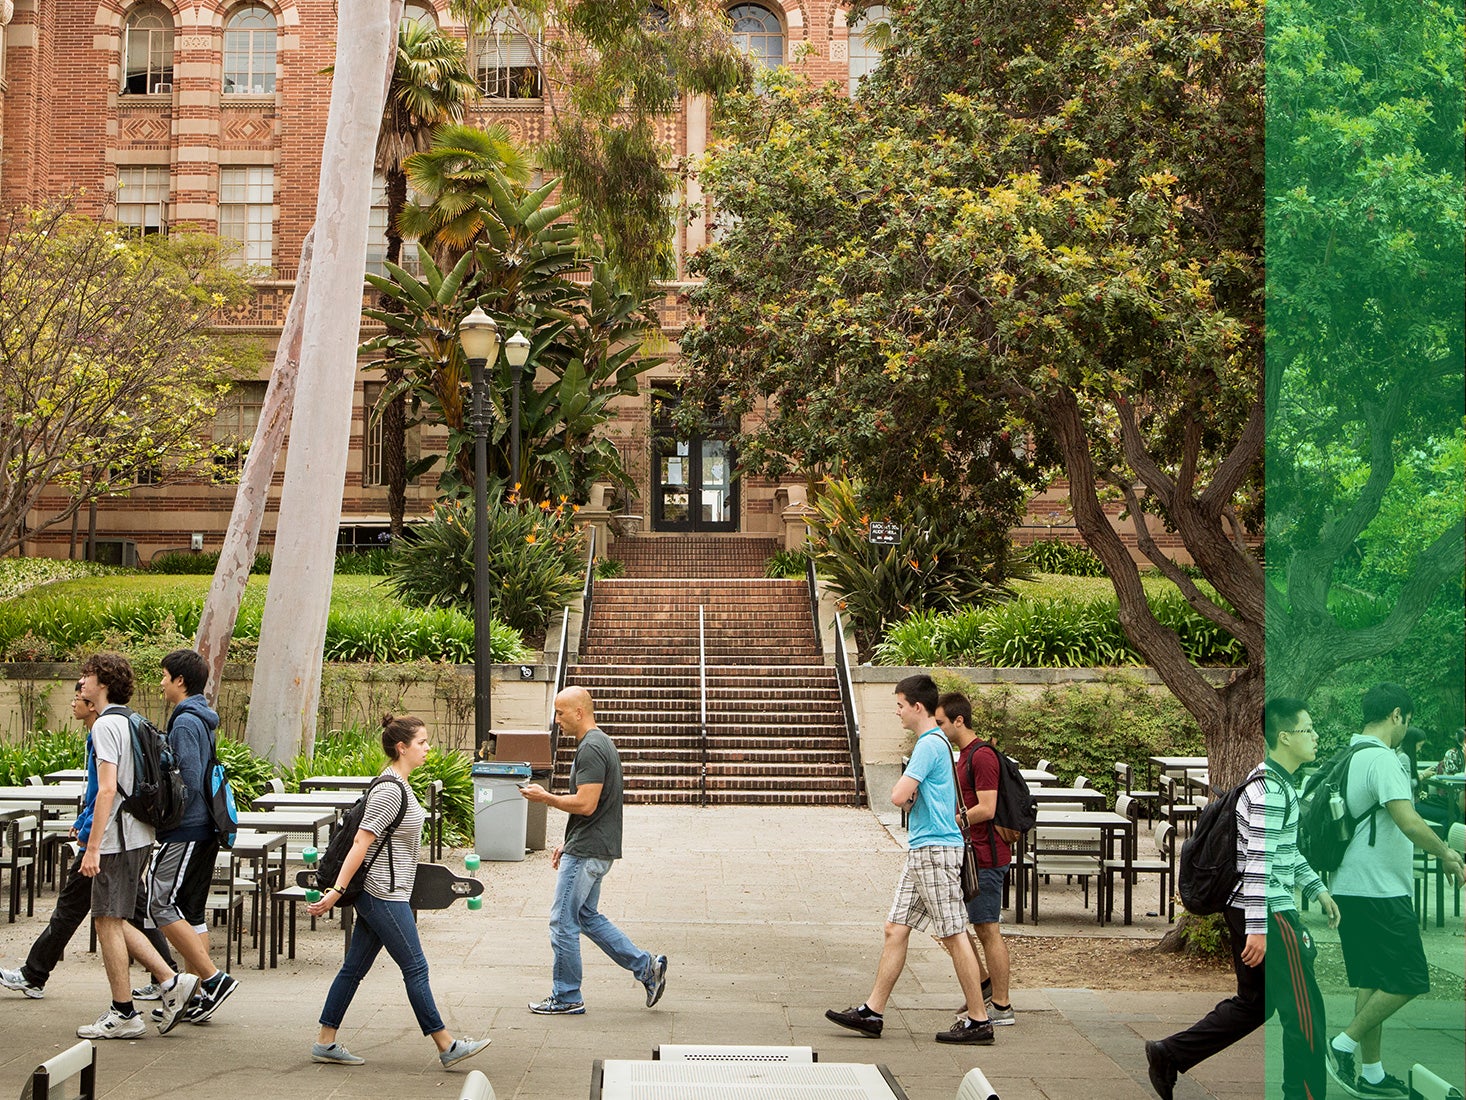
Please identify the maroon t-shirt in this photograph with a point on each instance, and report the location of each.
(977, 770)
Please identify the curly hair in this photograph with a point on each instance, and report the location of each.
(114, 672)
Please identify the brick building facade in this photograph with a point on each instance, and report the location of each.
(212, 113)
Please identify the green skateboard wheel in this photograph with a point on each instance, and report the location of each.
(312, 896)
(475, 903)
(310, 855)
(471, 861)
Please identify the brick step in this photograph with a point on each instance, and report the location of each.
(674, 658)
(688, 694)
(778, 757)
(825, 713)
(718, 675)
(673, 742)
(743, 798)
(692, 781)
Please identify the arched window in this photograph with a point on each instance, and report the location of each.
(506, 60)
(147, 51)
(417, 12)
(249, 52)
(863, 56)
(758, 33)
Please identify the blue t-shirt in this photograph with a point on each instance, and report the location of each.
(932, 822)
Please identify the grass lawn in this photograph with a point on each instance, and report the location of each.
(1054, 586)
(348, 592)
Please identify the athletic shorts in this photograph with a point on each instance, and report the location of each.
(178, 882)
(987, 907)
(116, 885)
(1381, 942)
(929, 895)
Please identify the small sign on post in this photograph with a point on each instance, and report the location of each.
(884, 533)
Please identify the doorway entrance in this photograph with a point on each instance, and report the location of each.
(693, 484)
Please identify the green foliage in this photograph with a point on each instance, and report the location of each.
(1059, 633)
(535, 555)
(1208, 936)
(39, 752)
(394, 634)
(1054, 556)
(249, 774)
(376, 562)
(1083, 729)
(20, 575)
(932, 568)
(185, 562)
(358, 751)
(788, 563)
(609, 568)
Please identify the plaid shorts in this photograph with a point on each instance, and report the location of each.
(929, 895)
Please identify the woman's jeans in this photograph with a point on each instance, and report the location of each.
(382, 924)
(577, 893)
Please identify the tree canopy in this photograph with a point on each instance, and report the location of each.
(107, 365)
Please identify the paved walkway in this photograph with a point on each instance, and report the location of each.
(769, 916)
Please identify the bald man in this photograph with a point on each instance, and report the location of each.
(592, 843)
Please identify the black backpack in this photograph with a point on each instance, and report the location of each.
(1017, 810)
(329, 871)
(1207, 873)
(1325, 826)
(159, 795)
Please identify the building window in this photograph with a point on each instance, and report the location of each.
(142, 199)
(506, 62)
(758, 33)
(419, 13)
(235, 425)
(249, 52)
(372, 472)
(376, 256)
(247, 211)
(864, 57)
(147, 51)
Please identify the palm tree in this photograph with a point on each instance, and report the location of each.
(431, 85)
(452, 178)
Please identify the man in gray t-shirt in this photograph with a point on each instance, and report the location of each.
(592, 843)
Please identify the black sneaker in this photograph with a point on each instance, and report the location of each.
(1162, 1070)
(1391, 1088)
(1341, 1068)
(205, 1004)
(966, 1030)
(858, 1018)
(656, 985)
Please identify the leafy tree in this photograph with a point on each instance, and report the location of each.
(450, 176)
(1033, 218)
(107, 364)
(430, 86)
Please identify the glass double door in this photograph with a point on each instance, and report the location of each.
(694, 488)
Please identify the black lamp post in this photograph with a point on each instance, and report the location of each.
(480, 338)
(516, 350)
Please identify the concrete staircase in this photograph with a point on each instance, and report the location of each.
(776, 731)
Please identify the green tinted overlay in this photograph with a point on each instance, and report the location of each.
(1365, 496)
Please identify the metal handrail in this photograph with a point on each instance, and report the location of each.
(561, 670)
(702, 676)
(587, 589)
(847, 704)
(811, 582)
(562, 665)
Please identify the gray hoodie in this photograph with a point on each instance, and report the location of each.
(191, 729)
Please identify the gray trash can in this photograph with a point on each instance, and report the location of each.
(499, 810)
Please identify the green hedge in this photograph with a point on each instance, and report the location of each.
(1053, 556)
(40, 752)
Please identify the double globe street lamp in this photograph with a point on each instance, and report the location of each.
(479, 336)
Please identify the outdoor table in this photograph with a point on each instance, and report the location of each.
(1033, 776)
(66, 775)
(303, 822)
(1067, 794)
(1172, 765)
(256, 848)
(337, 782)
(340, 801)
(634, 1079)
(1110, 825)
(50, 798)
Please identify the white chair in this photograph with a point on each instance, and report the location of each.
(976, 1087)
(1163, 867)
(476, 1087)
(79, 1061)
(1073, 853)
(1044, 766)
(1082, 783)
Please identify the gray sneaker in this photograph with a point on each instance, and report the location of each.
(334, 1054)
(149, 992)
(1001, 1017)
(656, 984)
(551, 1007)
(461, 1049)
(174, 1000)
(14, 979)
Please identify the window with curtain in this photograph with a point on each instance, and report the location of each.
(249, 52)
(863, 56)
(372, 472)
(758, 33)
(506, 61)
(235, 425)
(147, 51)
(142, 199)
(247, 211)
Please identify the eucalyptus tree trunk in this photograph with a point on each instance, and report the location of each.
(287, 681)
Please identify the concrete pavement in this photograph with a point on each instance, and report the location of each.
(769, 915)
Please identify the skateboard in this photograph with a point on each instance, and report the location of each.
(436, 887)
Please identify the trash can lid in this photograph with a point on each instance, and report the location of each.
(501, 769)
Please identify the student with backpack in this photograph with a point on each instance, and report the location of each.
(1271, 950)
(390, 827)
(1380, 936)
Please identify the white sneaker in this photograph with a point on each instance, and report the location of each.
(175, 999)
(149, 992)
(110, 1025)
(14, 979)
